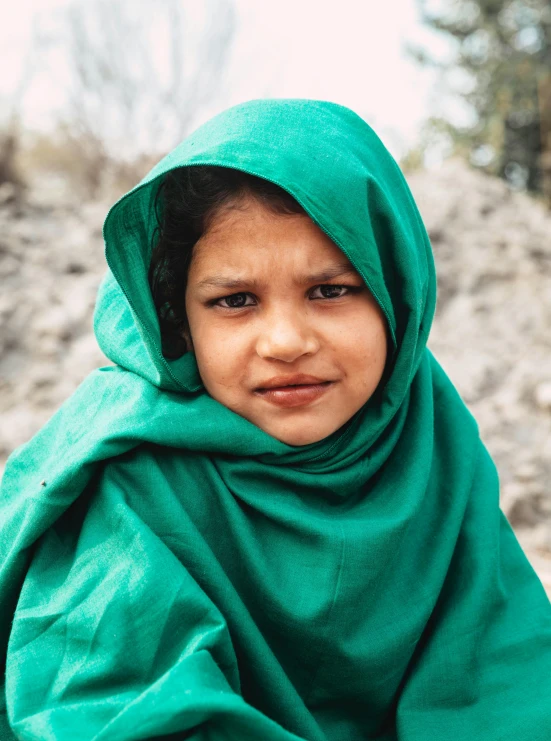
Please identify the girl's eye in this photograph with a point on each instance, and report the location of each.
(235, 301)
(242, 300)
(330, 291)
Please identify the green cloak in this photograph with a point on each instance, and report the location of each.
(169, 570)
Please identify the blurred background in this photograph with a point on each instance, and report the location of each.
(93, 92)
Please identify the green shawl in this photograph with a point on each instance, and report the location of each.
(169, 570)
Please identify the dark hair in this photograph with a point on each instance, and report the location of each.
(186, 203)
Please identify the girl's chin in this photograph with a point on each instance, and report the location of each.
(299, 436)
(296, 432)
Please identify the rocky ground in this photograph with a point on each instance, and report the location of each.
(492, 331)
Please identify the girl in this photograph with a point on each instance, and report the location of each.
(273, 518)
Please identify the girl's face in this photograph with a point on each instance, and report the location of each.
(284, 330)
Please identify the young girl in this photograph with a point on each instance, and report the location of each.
(273, 518)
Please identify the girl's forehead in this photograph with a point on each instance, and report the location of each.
(254, 234)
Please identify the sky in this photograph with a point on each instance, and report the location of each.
(350, 51)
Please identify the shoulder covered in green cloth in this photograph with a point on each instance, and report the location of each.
(170, 570)
(144, 601)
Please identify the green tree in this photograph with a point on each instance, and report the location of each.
(503, 48)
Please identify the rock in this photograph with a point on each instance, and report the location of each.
(543, 396)
(492, 327)
(8, 192)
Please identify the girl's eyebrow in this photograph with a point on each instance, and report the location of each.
(330, 273)
(225, 281)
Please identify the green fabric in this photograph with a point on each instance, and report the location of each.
(169, 570)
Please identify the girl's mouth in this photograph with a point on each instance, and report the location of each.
(294, 395)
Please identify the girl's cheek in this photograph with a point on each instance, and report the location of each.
(219, 358)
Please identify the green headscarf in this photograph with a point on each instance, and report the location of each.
(170, 570)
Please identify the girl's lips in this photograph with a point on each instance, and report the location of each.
(294, 396)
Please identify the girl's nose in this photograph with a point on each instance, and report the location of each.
(285, 337)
